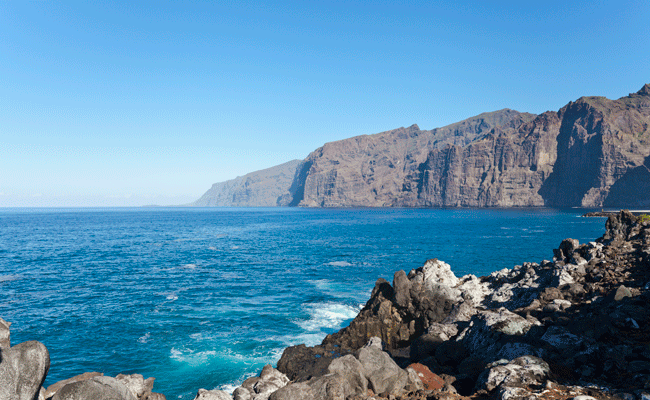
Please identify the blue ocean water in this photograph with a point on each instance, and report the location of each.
(203, 298)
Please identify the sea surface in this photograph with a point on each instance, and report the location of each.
(204, 297)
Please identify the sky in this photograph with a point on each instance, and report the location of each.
(130, 103)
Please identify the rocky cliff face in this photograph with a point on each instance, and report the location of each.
(385, 169)
(266, 188)
(594, 152)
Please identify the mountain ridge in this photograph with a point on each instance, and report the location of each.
(593, 152)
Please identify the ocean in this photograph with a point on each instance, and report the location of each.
(205, 297)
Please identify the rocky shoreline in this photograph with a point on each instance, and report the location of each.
(568, 328)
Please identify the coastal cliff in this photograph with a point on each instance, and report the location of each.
(265, 188)
(593, 152)
(568, 328)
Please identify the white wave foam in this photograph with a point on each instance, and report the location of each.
(192, 357)
(324, 316)
(9, 278)
(172, 297)
(145, 338)
(340, 264)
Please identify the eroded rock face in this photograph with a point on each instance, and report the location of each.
(269, 187)
(23, 368)
(5, 334)
(261, 387)
(204, 394)
(97, 388)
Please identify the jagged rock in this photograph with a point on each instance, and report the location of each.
(488, 329)
(96, 388)
(294, 391)
(53, 388)
(136, 383)
(520, 372)
(330, 387)
(428, 379)
(383, 374)
(353, 372)
(436, 333)
(261, 387)
(560, 338)
(204, 394)
(23, 368)
(621, 293)
(5, 334)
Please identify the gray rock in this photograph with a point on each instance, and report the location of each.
(488, 329)
(261, 387)
(5, 334)
(436, 272)
(97, 388)
(294, 391)
(520, 372)
(330, 387)
(352, 371)
(383, 374)
(136, 383)
(436, 333)
(23, 368)
(622, 292)
(560, 338)
(204, 394)
(414, 382)
(53, 388)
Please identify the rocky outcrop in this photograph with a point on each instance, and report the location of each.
(576, 325)
(261, 387)
(269, 187)
(23, 368)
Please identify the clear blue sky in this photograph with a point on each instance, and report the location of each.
(150, 102)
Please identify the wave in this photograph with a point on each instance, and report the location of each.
(339, 264)
(324, 318)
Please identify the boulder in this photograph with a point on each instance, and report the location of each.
(520, 372)
(23, 368)
(294, 391)
(97, 388)
(383, 374)
(490, 329)
(204, 394)
(136, 383)
(55, 387)
(353, 372)
(330, 387)
(261, 387)
(428, 379)
(5, 334)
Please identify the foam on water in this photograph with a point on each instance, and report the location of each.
(323, 317)
(339, 264)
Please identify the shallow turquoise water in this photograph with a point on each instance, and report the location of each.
(203, 298)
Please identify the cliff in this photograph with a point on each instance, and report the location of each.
(593, 152)
(264, 188)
